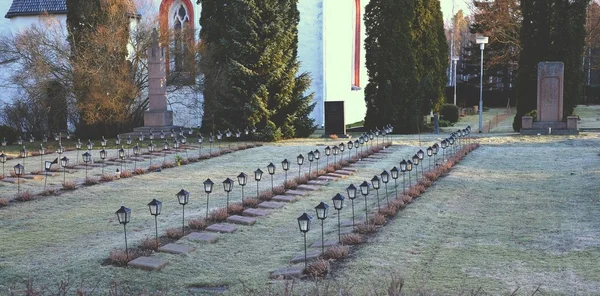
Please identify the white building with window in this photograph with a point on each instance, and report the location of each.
(331, 36)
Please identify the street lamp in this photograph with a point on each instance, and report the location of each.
(482, 41)
(103, 142)
(394, 172)
(403, 169)
(90, 145)
(42, 151)
(208, 185)
(375, 181)
(311, 158)
(342, 147)
(304, 225)
(200, 140)
(350, 146)
(416, 160)
(300, 161)
(165, 149)
(338, 204)
(327, 153)
(87, 157)
(23, 154)
(3, 161)
(409, 167)
(336, 151)
(257, 176)
(364, 190)
(19, 171)
(434, 149)
(242, 180)
(317, 154)
(124, 215)
(121, 156)
(385, 178)
(155, 206)
(64, 162)
(103, 157)
(444, 145)
(228, 186)
(151, 148)
(136, 153)
(271, 170)
(322, 211)
(429, 154)
(454, 60)
(351, 191)
(183, 197)
(285, 164)
(356, 144)
(421, 155)
(47, 168)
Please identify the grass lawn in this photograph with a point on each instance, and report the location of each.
(519, 212)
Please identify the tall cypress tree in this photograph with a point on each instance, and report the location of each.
(250, 64)
(552, 30)
(406, 62)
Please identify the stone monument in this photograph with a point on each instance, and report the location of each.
(157, 115)
(335, 123)
(549, 103)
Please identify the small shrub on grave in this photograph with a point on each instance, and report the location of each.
(174, 233)
(178, 159)
(336, 252)
(389, 211)
(139, 171)
(197, 224)
(352, 239)
(279, 190)
(420, 188)
(3, 202)
(118, 257)
(432, 175)
(333, 136)
(126, 174)
(302, 180)
(378, 219)
(49, 192)
(318, 269)
(184, 161)
(226, 151)
(215, 153)
(323, 172)
(413, 192)
(218, 215)
(194, 159)
(24, 196)
(344, 163)
(366, 228)
(426, 183)
(290, 184)
(449, 112)
(266, 195)
(397, 203)
(168, 164)
(91, 181)
(337, 166)
(148, 244)
(330, 169)
(69, 185)
(236, 209)
(445, 123)
(250, 202)
(154, 167)
(313, 175)
(107, 178)
(407, 199)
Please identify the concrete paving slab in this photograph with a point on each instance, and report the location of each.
(147, 263)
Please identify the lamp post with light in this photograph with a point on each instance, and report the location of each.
(482, 41)
(311, 158)
(19, 172)
(242, 180)
(183, 197)
(208, 185)
(87, 157)
(155, 207)
(227, 186)
(409, 167)
(364, 190)
(394, 172)
(304, 225)
(271, 171)
(322, 210)
(317, 154)
(338, 204)
(454, 61)
(385, 178)
(285, 164)
(300, 161)
(257, 177)
(375, 181)
(64, 162)
(351, 191)
(124, 215)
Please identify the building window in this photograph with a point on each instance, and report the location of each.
(177, 32)
(356, 21)
(180, 37)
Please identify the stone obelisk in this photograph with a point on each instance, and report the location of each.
(157, 115)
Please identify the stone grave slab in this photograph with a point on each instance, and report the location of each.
(318, 182)
(368, 160)
(97, 165)
(327, 178)
(33, 177)
(376, 157)
(295, 192)
(336, 175)
(310, 256)
(175, 249)
(284, 198)
(235, 219)
(347, 230)
(305, 187)
(147, 156)
(147, 263)
(270, 205)
(343, 172)
(49, 174)
(255, 213)
(13, 180)
(327, 243)
(348, 223)
(202, 237)
(288, 273)
(80, 167)
(222, 227)
(350, 169)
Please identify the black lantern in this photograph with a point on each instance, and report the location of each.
(208, 186)
(3, 161)
(155, 207)
(285, 164)
(151, 148)
(409, 167)
(311, 158)
(257, 177)
(375, 181)
(351, 191)
(304, 225)
(300, 161)
(395, 174)
(103, 155)
(124, 215)
(336, 151)
(19, 170)
(228, 186)
(338, 204)
(364, 190)
(342, 148)
(64, 162)
(385, 178)
(317, 154)
(183, 197)
(87, 158)
(242, 180)
(327, 153)
(322, 210)
(271, 170)
(420, 154)
(90, 145)
(136, 153)
(416, 161)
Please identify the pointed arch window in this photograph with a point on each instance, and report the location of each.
(356, 28)
(181, 21)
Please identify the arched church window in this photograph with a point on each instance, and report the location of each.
(181, 21)
(356, 21)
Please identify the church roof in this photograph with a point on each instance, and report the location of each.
(36, 7)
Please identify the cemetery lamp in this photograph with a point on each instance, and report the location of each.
(151, 136)
(78, 147)
(304, 225)
(482, 41)
(285, 164)
(103, 157)
(257, 177)
(342, 148)
(322, 211)
(183, 197)
(47, 168)
(208, 186)
(311, 158)
(409, 167)
(64, 162)
(350, 146)
(200, 140)
(121, 152)
(87, 157)
(415, 160)
(242, 180)
(403, 169)
(90, 145)
(336, 151)
(23, 154)
(118, 140)
(376, 183)
(103, 142)
(327, 153)
(351, 191)
(338, 204)
(271, 170)
(385, 178)
(228, 186)
(124, 215)
(151, 148)
(356, 144)
(155, 206)
(20, 141)
(42, 151)
(317, 157)
(300, 161)
(3, 161)
(364, 190)
(429, 154)
(19, 169)
(394, 172)
(136, 153)
(165, 149)
(4, 142)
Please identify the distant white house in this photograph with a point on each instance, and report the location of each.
(331, 36)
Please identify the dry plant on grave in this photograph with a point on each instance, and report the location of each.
(218, 215)
(198, 224)
(249, 202)
(126, 174)
(174, 233)
(3, 202)
(290, 184)
(389, 211)
(302, 180)
(366, 228)
(236, 209)
(336, 252)
(279, 190)
(91, 181)
(69, 185)
(265, 195)
(24, 196)
(49, 192)
(154, 167)
(406, 199)
(107, 178)
(351, 239)
(426, 183)
(318, 268)
(148, 243)
(139, 171)
(168, 164)
(378, 219)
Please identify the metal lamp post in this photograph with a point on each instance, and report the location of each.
(200, 140)
(482, 41)
(103, 157)
(429, 154)
(227, 186)
(322, 210)
(376, 182)
(42, 151)
(409, 167)
(257, 177)
(103, 142)
(271, 170)
(444, 145)
(338, 204)
(299, 161)
(47, 168)
(87, 157)
(336, 151)
(342, 147)
(23, 154)
(78, 147)
(416, 160)
(394, 172)
(356, 145)
(350, 146)
(208, 185)
(351, 191)
(327, 153)
(403, 169)
(385, 178)
(317, 154)
(155, 207)
(285, 164)
(3, 161)
(136, 153)
(19, 169)
(124, 215)
(64, 162)
(364, 190)
(121, 156)
(165, 149)
(311, 158)
(183, 197)
(454, 61)
(242, 180)
(421, 156)
(151, 148)
(434, 149)
(304, 225)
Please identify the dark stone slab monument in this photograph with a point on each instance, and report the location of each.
(335, 122)
(550, 88)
